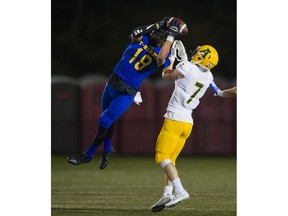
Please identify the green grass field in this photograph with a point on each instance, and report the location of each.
(130, 185)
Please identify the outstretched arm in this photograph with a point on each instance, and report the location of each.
(231, 92)
(169, 73)
(173, 74)
(138, 32)
(164, 51)
(169, 23)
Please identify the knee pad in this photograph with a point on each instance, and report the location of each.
(164, 163)
(105, 121)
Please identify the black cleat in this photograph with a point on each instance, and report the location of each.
(78, 159)
(105, 159)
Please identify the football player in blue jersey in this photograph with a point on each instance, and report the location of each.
(149, 48)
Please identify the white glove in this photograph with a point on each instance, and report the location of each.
(219, 94)
(181, 51)
(138, 98)
(173, 51)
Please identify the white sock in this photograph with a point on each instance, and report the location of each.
(177, 185)
(168, 190)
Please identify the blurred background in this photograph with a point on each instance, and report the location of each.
(88, 39)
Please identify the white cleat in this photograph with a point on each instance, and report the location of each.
(177, 198)
(160, 205)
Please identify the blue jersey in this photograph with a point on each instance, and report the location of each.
(138, 62)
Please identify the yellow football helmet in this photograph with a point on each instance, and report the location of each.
(206, 56)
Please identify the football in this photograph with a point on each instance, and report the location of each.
(182, 27)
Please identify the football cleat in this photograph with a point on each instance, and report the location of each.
(105, 159)
(78, 159)
(177, 198)
(160, 205)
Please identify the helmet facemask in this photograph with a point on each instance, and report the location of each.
(159, 36)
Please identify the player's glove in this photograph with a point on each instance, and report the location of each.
(163, 23)
(146, 29)
(170, 27)
(173, 28)
(174, 51)
(181, 51)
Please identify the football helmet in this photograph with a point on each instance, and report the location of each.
(158, 36)
(205, 55)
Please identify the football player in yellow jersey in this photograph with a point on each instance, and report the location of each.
(192, 79)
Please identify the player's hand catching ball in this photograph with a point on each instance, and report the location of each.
(176, 26)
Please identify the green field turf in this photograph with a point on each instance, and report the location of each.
(130, 185)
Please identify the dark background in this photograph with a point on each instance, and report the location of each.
(89, 36)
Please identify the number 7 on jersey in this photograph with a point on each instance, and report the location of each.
(199, 85)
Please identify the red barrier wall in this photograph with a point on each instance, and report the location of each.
(214, 130)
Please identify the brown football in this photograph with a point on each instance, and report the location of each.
(183, 29)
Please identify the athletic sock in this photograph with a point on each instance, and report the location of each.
(177, 185)
(91, 151)
(168, 190)
(107, 145)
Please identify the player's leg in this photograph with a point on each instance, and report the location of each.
(120, 103)
(106, 119)
(187, 130)
(168, 188)
(107, 148)
(87, 155)
(169, 144)
(180, 193)
(165, 146)
(108, 139)
(117, 103)
(117, 106)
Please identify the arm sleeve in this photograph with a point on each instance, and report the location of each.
(214, 87)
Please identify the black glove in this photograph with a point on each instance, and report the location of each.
(163, 23)
(173, 28)
(142, 30)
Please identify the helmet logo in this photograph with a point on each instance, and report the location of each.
(205, 52)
